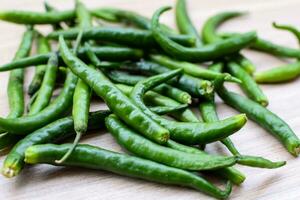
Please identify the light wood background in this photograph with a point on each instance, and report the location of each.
(47, 182)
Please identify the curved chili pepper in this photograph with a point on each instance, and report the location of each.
(205, 53)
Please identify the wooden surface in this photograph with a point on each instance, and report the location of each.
(47, 182)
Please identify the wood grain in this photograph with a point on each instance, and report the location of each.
(47, 182)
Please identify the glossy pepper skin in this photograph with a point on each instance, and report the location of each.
(15, 91)
(248, 84)
(47, 86)
(265, 118)
(196, 87)
(267, 46)
(55, 110)
(125, 16)
(165, 89)
(105, 53)
(159, 100)
(205, 53)
(184, 22)
(191, 69)
(124, 36)
(184, 132)
(284, 73)
(209, 35)
(42, 47)
(88, 156)
(82, 94)
(144, 148)
(55, 131)
(118, 102)
(29, 17)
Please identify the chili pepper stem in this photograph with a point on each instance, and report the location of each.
(75, 142)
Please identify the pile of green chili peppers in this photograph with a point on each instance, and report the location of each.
(151, 78)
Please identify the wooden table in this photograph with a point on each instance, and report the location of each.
(47, 182)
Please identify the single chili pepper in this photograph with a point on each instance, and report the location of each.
(269, 47)
(162, 110)
(288, 28)
(194, 86)
(245, 63)
(248, 84)
(124, 36)
(82, 93)
(15, 86)
(119, 15)
(264, 117)
(154, 98)
(47, 87)
(165, 89)
(255, 161)
(30, 17)
(191, 69)
(91, 55)
(53, 132)
(15, 83)
(119, 103)
(210, 36)
(279, 74)
(184, 23)
(96, 158)
(27, 124)
(42, 47)
(205, 53)
(184, 132)
(149, 150)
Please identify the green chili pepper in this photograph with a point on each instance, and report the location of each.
(42, 47)
(279, 74)
(29, 17)
(194, 86)
(82, 93)
(248, 83)
(52, 132)
(154, 98)
(161, 110)
(91, 55)
(96, 158)
(184, 23)
(125, 36)
(209, 113)
(105, 53)
(191, 68)
(15, 87)
(289, 28)
(119, 103)
(269, 47)
(210, 36)
(45, 92)
(205, 53)
(149, 150)
(268, 120)
(118, 15)
(165, 89)
(55, 110)
(187, 133)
